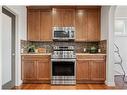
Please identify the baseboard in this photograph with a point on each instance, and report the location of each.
(110, 83)
(19, 83)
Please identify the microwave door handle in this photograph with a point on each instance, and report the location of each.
(70, 33)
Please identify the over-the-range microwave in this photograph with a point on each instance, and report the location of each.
(63, 33)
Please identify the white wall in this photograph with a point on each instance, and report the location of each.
(0, 46)
(121, 42)
(110, 46)
(121, 11)
(107, 26)
(21, 31)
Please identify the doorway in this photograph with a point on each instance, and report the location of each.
(8, 49)
(120, 51)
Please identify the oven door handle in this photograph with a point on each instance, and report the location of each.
(66, 60)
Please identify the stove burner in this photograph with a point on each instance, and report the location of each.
(63, 52)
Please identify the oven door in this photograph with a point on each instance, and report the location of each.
(63, 71)
(63, 67)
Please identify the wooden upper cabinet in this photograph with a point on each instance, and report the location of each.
(33, 25)
(39, 25)
(85, 20)
(82, 70)
(93, 33)
(81, 24)
(63, 17)
(57, 17)
(98, 70)
(69, 17)
(43, 70)
(46, 25)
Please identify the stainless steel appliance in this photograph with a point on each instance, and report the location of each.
(63, 65)
(63, 33)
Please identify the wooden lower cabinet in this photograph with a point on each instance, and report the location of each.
(88, 69)
(43, 70)
(28, 70)
(35, 69)
(83, 70)
(97, 70)
(91, 70)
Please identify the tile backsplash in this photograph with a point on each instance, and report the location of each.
(79, 46)
(103, 46)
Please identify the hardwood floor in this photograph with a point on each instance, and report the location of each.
(58, 87)
(118, 82)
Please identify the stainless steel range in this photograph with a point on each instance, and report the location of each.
(63, 65)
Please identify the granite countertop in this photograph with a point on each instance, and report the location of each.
(35, 53)
(50, 54)
(90, 54)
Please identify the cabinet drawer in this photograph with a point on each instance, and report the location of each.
(36, 57)
(91, 57)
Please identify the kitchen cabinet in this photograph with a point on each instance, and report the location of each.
(63, 17)
(35, 68)
(43, 70)
(81, 24)
(93, 20)
(87, 24)
(97, 70)
(29, 70)
(39, 25)
(91, 68)
(83, 70)
(45, 25)
(33, 25)
(86, 21)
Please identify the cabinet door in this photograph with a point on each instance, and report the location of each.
(97, 69)
(68, 17)
(63, 17)
(57, 17)
(93, 25)
(46, 25)
(28, 70)
(33, 23)
(43, 70)
(81, 25)
(82, 70)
